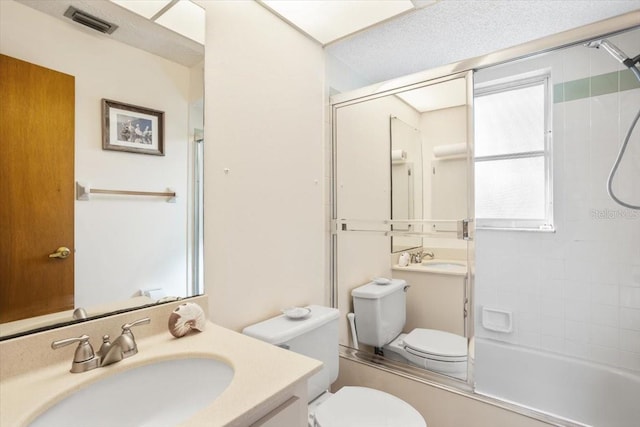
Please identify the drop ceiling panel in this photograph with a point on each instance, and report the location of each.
(327, 21)
(146, 8)
(185, 18)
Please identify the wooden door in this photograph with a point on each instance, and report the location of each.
(37, 108)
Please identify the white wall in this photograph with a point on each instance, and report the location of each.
(446, 195)
(576, 291)
(342, 78)
(122, 244)
(264, 217)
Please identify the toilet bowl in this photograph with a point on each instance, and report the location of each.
(431, 349)
(364, 407)
(317, 336)
(380, 316)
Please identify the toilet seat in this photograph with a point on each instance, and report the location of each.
(366, 407)
(436, 345)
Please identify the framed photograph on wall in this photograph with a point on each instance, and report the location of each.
(131, 128)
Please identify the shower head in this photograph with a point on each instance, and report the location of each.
(613, 51)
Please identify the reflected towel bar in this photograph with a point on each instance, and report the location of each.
(446, 228)
(83, 191)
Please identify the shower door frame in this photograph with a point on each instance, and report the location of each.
(573, 37)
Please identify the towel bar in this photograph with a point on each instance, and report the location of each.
(83, 191)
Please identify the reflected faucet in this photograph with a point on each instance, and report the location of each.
(429, 254)
(419, 256)
(79, 313)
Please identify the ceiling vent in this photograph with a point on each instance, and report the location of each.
(90, 21)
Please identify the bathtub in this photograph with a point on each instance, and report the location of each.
(563, 387)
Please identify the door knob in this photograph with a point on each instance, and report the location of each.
(61, 252)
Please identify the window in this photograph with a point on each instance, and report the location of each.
(513, 154)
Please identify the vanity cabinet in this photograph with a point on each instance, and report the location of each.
(287, 414)
(434, 301)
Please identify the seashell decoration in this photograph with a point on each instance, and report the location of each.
(186, 317)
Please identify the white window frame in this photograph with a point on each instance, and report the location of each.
(519, 82)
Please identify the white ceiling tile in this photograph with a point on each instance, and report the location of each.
(327, 21)
(146, 8)
(186, 18)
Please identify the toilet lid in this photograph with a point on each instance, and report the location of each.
(435, 344)
(366, 407)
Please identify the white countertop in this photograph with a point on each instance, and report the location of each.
(434, 269)
(262, 374)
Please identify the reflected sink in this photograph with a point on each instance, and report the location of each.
(452, 266)
(160, 394)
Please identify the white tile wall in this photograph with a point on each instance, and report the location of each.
(630, 318)
(575, 291)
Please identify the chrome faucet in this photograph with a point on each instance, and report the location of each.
(85, 359)
(122, 347)
(431, 255)
(419, 256)
(79, 313)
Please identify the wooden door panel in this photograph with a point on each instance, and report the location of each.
(37, 109)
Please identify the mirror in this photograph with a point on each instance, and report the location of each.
(406, 181)
(402, 184)
(127, 250)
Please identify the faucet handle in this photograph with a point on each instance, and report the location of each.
(126, 340)
(84, 351)
(104, 347)
(126, 328)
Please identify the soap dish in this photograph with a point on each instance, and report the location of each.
(296, 312)
(381, 281)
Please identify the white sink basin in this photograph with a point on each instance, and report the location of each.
(161, 394)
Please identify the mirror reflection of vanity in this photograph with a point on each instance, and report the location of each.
(129, 251)
(402, 174)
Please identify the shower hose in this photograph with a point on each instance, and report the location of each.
(621, 153)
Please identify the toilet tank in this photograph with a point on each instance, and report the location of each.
(380, 311)
(315, 336)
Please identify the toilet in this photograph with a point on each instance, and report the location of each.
(380, 316)
(316, 336)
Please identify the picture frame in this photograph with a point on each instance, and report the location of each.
(132, 128)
